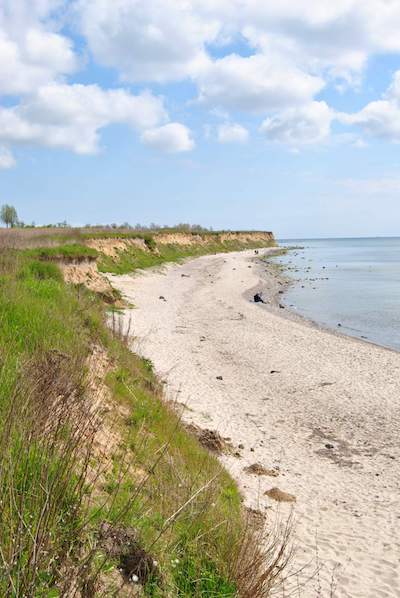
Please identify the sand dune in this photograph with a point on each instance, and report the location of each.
(319, 409)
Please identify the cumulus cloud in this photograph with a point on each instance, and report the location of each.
(299, 126)
(291, 51)
(232, 133)
(255, 84)
(380, 118)
(336, 38)
(31, 54)
(156, 40)
(170, 138)
(7, 160)
(70, 116)
(167, 39)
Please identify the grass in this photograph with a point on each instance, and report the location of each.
(57, 488)
(68, 252)
(134, 258)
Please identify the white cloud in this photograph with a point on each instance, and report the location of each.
(70, 116)
(299, 126)
(292, 50)
(232, 133)
(167, 39)
(170, 138)
(255, 84)
(380, 118)
(156, 40)
(335, 37)
(7, 160)
(31, 54)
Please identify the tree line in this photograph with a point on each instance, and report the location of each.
(9, 216)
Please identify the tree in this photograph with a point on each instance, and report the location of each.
(8, 214)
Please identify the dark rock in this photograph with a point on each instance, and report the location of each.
(281, 306)
(219, 377)
(241, 446)
(162, 298)
(122, 543)
(138, 564)
(275, 372)
(258, 298)
(329, 446)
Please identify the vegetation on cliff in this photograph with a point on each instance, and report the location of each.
(102, 490)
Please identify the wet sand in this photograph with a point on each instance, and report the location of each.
(319, 408)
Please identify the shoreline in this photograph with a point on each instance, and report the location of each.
(316, 406)
(291, 314)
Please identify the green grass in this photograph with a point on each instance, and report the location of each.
(38, 270)
(153, 429)
(47, 331)
(41, 317)
(39, 491)
(134, 258)
(68, 252)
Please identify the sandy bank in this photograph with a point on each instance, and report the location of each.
(321, 409)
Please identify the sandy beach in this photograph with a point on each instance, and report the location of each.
(320, 409)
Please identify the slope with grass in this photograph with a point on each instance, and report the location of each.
(102, 490)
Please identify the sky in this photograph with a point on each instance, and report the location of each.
(235, 114)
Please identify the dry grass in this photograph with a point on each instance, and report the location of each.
(260, 561)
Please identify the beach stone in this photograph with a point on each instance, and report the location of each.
(279, 495)
(219, 377)
(329, 446)
(260, 470)
(258, 298)
(210, 439)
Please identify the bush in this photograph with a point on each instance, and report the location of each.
(150, 242)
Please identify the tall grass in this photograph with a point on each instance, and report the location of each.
(71, 463)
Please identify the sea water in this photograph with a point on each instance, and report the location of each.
(351, 285)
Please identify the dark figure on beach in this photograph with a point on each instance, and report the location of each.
(258, 298)
(256, 251)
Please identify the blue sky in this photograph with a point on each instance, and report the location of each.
(227, 113)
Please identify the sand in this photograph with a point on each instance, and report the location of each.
(320, 409)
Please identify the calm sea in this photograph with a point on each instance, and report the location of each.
(351, 282)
